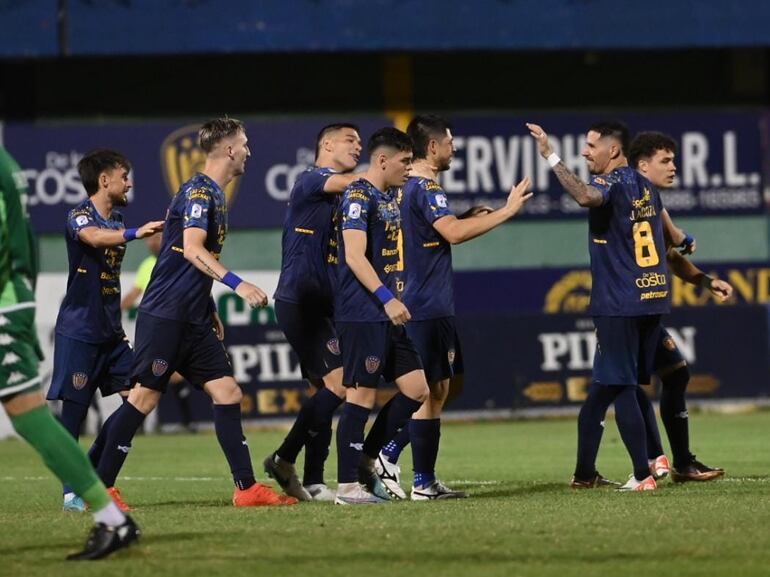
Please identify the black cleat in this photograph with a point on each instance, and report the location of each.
(696, 471)
(104, 540)
(597, 481)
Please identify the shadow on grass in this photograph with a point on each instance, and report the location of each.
(520, 491)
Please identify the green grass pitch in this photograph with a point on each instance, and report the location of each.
(522, 518)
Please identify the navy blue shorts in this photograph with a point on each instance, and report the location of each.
(439, 347)
(625, 349)
(80, 368)
(165, 346)
(374, 350)
(668, 357)
(311, 333)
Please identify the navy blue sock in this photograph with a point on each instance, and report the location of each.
(425, 435)
(350, 441)
(72, 417)
(298, 435)
(673, 413)
(377, 436)
(400, 412)
(397, 444)
(117, 444)
(95, 452)
(319, 436)
(654, 445)
(631, 427)
(591, 429)
(229, 429)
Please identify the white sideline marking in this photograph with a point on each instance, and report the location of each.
(204, 479)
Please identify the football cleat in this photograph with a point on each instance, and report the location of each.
(696, 471)
(390, 475)
(320, 492)
(356, 494)
(259, 495)
(646, 484)
(104, 540)
(74, 504)
(597, 481)
(369, 479)
(434, 491)
(659, 467)
(285, 475)
(116, 496)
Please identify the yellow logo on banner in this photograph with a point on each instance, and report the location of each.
(181, 157)
(549, 391)
(570, 294)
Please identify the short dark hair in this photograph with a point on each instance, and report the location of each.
(95, 163)
(614, 129)
(424, 128)
(213, 131)
(390, 137)
(646, 144)
(331, 128)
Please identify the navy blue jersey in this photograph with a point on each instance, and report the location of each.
(177, 289)
(90, 311)
(428, 288)
(375, 212)
(628, 251)
(309, 246)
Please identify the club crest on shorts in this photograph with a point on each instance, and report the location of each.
(334, 346)
(451, 356)
(372, 364)
(79, 380)
(669, 344)
(159, 366)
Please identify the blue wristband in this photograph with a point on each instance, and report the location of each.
(130, 233)
(384, 294)
(232, 280)
(686, 246)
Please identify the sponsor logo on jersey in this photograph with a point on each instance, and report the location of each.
(372, 364)
(334, 346)
(181, 157)
(354, 210)
(651, 279)
(79, 380)
(196, 211)
(82, 220)
(441, 200)
(159, 366)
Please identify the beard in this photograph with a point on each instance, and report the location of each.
(122, 200)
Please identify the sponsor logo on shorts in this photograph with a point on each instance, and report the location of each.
(372, 364)
(669, 343)
(357, 446)
(451, 356)
(79, 380)
(124, 449)
(159, 366)
(334, 346)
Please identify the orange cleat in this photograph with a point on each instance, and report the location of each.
(646, 484)
(659, 467)
(259, 495)
(115, 494)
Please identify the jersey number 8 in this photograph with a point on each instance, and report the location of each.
(644, 245)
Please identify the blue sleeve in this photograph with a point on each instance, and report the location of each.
(196, 208)
(313, 182)
(604, 186)
(356, 204)
(78, 219)
(433, 203)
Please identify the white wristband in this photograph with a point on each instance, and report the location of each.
(553, 159)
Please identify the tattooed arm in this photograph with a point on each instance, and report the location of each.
(584, 194)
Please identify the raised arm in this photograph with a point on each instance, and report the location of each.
(584, 194)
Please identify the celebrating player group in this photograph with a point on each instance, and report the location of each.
(364, 297)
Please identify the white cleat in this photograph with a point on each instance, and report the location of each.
(321, 492)
(659, 467)
(356, 494)
(435, 491)
(390, 475)
(646, 484)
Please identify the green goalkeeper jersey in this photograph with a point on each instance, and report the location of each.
(18, 249)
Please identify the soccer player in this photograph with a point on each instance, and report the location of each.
(304, 307)
(91, 350)
(369, 317)
(652, 154)
(626, 244)
(20, 392)
(429, 230)
(178, 328)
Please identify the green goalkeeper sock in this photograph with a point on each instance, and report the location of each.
(62, 455)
